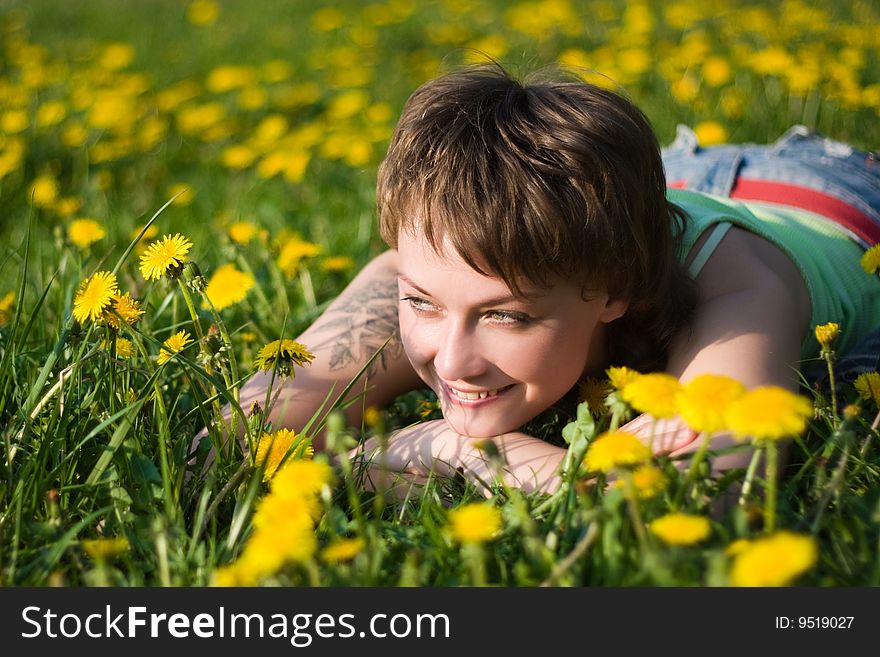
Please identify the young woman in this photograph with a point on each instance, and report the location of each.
(533, 241)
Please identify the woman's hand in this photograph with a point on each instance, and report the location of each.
(415, 453)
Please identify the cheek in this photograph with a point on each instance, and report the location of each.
(555, 362)
(416, 343)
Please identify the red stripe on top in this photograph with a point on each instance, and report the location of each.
(851, 218)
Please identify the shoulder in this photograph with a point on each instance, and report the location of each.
(747, 264)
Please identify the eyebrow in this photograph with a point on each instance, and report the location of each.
(486, 302)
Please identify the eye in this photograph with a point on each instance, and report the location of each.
(508, 317)
(419, 306)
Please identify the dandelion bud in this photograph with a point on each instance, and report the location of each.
(826, 334)
(851, 411)
(214, 341)
(373, 419)
(174, 271)
(488, 447)
(197, 282)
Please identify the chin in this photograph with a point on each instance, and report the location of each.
(480, 428)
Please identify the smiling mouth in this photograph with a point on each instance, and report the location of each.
(459, 395)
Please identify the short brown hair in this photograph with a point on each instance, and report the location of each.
(551, 177)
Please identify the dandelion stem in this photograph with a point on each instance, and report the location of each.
(579, 550)
(266, 307)
(833, 487)
(164, 434)
(696, 461)
(863, 450)
(197, 326)
(473, 553)
(232, 375)
(215, 503)
(828, 356)
(750, 477)
(305, 279)
(771, 485)
(635, 514)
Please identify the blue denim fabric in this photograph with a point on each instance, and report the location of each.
(799, 157)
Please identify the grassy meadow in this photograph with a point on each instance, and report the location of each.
(243, 138)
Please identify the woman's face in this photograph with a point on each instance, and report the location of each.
(495, 360)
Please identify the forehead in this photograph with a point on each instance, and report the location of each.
(444, 270)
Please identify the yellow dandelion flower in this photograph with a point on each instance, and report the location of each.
(6, 303)
(774, 560)
(341, 550)
(593, 391)
(172, 345)
(768, 413)
(738, 546)
(648, 481)
(124, 347)
(299, 477)
(228, 286)
(149, 234)
(653, 393)
(476, 522)
(704, 400)
(281, 356)
(867, 383)
(826, 334)
(238, 156)
(297, 511)
(620, 376)
(278, 543)
(372, 417)
(102, 549)
(242, 232)
(871, 260)
(615, 449)
(202, 12)
(94, 296)
(123, 310)
(337, 263)
(681, 528)
(716, 71)
(14, 121)
(710, 133)
(273, 447)
(229, 575)
(164, 255)
(182, 194)
(85, 232)
(67, 206)
(117, 56)
(293, 252)
(44, 191)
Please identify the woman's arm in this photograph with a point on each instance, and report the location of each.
(343, 339)
(416, 452)
(752, 315)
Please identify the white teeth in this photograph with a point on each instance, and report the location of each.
(473, 395)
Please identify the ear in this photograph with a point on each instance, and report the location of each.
(614, 309)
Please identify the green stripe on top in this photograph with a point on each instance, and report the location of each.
(840, 290)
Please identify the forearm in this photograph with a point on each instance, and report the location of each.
(525, 462)
(354, 327)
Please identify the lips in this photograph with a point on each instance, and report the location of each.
(473, 397)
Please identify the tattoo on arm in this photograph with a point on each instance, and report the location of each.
(356, 328)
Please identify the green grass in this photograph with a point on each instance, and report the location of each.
(90, 451)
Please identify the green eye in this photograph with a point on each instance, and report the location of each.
(508, 317)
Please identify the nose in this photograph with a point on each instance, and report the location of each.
(459, 354)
